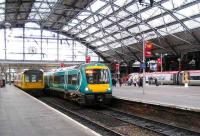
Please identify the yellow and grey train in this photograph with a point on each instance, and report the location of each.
(31, 81)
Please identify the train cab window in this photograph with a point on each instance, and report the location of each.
(33, 76)
(97, 76)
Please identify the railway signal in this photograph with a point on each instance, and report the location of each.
(148, 48)
(87, 59)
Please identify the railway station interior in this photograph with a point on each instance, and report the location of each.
(99, 67)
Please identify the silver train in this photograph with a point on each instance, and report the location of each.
(192, 77)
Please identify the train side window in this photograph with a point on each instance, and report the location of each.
(27, 78)
(59, 79)
(194, 77)
(51, 79)
(73, 79)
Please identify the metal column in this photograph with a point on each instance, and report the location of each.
(58, 46)
(9, 74)
(5, 42)
(23, 43)
(41, 43)
(73, 44)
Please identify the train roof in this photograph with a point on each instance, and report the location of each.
(79, 66)
(25, 70)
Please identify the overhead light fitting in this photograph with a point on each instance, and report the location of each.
(7, 25)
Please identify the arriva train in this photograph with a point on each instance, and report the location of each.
(86, 84)
(192, 77)
(31, 81)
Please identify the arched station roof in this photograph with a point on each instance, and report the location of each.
(113, 29)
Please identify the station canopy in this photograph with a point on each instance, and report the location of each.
(113, 29)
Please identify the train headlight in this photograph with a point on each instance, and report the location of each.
(86, 89)
(109, 89)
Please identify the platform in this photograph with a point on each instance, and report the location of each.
(23, 115)
(170, 96)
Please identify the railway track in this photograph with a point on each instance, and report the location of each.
(115, 122)
(78, 116)
(161, 128)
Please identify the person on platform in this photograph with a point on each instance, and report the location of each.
(120, 82)
(140, 83)
(135, 82)
(156, 81)
(114, 82)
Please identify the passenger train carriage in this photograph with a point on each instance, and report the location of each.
(192, 77)
(86, 83)
(31, 81)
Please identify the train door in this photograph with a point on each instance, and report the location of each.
(175, 79)
(180, 78)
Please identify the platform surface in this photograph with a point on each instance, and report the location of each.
(22, 115)
(170, 96)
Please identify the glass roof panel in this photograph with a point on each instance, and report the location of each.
(98, 43)
(115, 45)
(157, 22)
(83, 34)
(161, 21)
(99, 34)
(150, 13)
(82, 25)
(168, 5)
(104, 23)
(132, 8)
(67, 27)
(121, 35)
(42, 8)
(122, 2)
(126, 23)
(150, 35)
(189, 11)
(106, 10)
(178, 3)
(175, 28)
(109, 39)
(103, 48)
(191, 24)
(92, 29)
(90, 38)
(73, 22)
(129, 41)
(122, 14)
(135, 30)
(112, 29)
(83, 15)
(171, 29)
(91, 20)
(96, 5)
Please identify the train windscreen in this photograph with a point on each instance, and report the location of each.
(33, 76)
(97, 76)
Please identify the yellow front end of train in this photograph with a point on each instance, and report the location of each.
(30, 81)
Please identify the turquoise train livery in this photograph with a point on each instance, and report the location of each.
(87, 83)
